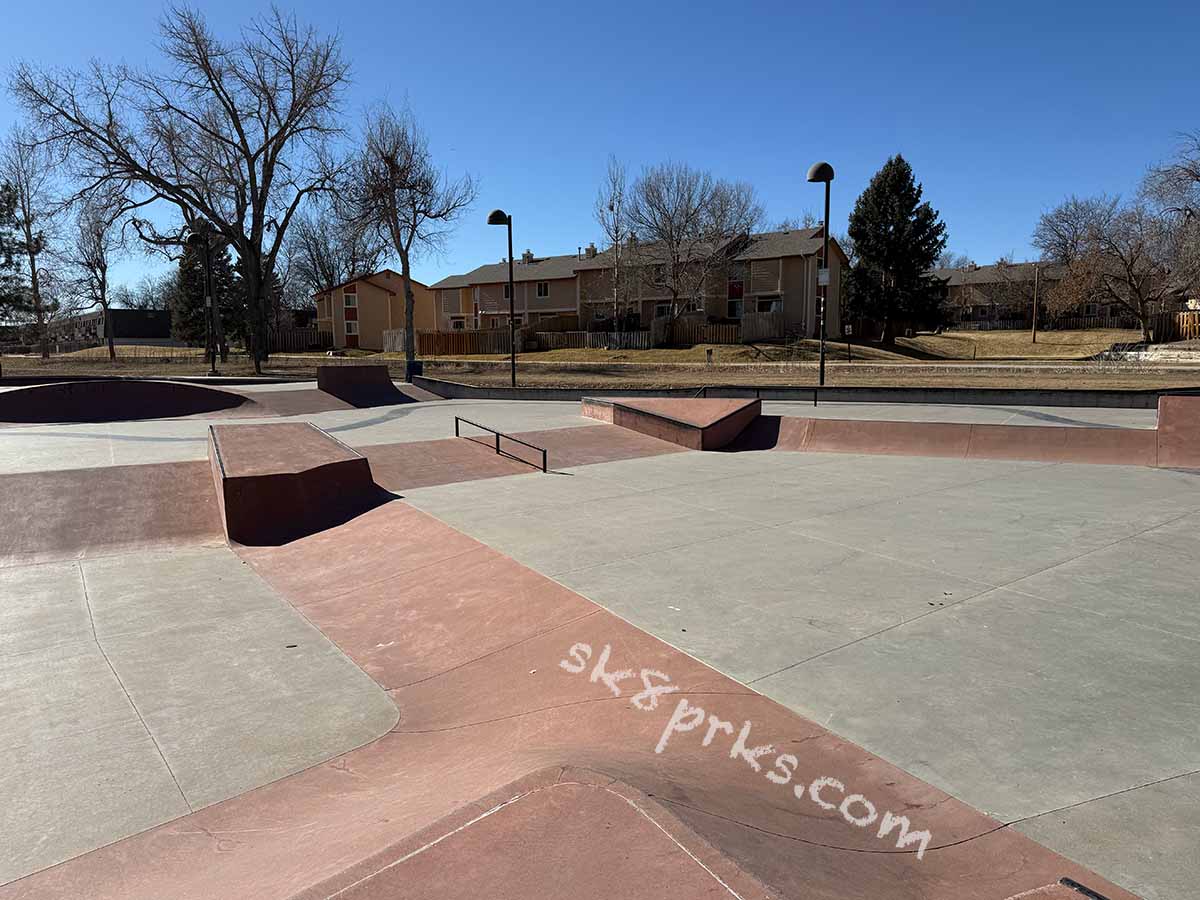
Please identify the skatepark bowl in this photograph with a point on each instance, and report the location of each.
(310, 644)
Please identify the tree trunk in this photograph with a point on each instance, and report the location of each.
(410, 334)
(888, 337)
(108, 331)
(35, 290)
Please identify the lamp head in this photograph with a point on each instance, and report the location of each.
(821, 171)
(497, 217)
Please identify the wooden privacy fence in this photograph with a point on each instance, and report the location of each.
(450, 343)
(686, 332)
(1181, 326)
(762, 326)
(593, 340)
(294, 340)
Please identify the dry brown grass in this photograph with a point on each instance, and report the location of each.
(1018, 344)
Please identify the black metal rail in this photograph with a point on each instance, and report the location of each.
(508, 437)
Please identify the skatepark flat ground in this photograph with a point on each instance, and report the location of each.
(1020, 635)
(32, 448)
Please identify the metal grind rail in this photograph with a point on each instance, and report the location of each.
(507, 437)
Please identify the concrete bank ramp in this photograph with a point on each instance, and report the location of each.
(111, 400)
(81, 513)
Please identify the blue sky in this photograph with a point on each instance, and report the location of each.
(1002, 110)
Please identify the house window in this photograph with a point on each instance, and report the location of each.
(543, 289)
(457, 324)
(735, 288)
(1091, 309)
(770, 304)
(506, 291)
(662, 309)
(735, 309)
(349, 301)
(351, 327)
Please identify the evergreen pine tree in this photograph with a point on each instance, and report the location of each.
(10, 293)
(898, 239)
(188, 322)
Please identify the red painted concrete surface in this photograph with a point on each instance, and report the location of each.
(78, 513)
(469, 645)
(1175, 442)
(414, 464)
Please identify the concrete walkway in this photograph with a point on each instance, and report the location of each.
(1024, 636)
(140, 687)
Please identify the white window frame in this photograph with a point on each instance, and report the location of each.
(662, 309)
(349, 301)
(505, 292)
(351, 327)
(543, 290)
(775, 302)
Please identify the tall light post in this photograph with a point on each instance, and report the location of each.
(500, 217)
(823, 171)
(201, 237)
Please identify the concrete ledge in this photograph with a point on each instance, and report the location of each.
(693, 423)
(896, 438)
(279, 482)
(1110, 399)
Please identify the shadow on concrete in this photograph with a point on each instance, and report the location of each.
(761, 434)
(112, 401)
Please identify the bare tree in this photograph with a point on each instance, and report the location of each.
(324, 251)
(28, 168)
(394, 190)
(807, 219)
(1063, 234)
(1114, 252)
(951, 259)
(611, 211)
(1174, 189)
(98, 240)
(685, 221)
(232, 132)
(152, 292)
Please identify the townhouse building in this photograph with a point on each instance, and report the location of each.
(769, 272)
(361, 310)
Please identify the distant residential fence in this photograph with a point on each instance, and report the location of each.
(1181, 326)
(685, 331)
(762, 326)
(450, 343)
(1080, 323)
(297, 340)
(593, 340)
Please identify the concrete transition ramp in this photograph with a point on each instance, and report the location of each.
(700, 425)
(111, 400)
(278, 482)
(361, 386)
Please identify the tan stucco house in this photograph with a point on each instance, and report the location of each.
(360, 311)
(545, 287)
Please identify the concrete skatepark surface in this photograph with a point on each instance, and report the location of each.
(918, 609)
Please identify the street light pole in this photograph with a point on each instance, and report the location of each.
(201, 237)
(823, 171)
(500, 217)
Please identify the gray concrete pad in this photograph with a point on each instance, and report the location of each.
(136, 688)
(1022, 635)
(1140, 836)
(45, 448)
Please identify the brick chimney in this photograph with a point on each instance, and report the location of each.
(590, 251)
(527, 257)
